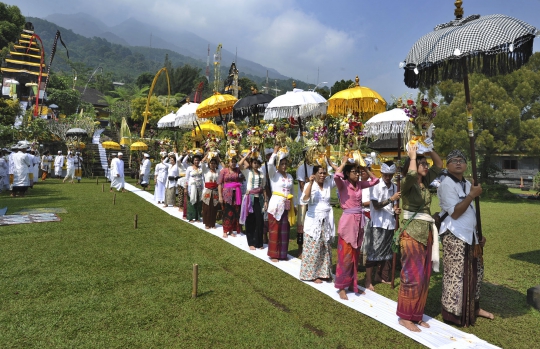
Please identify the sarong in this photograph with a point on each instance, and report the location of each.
(170, 196)
(378, 244)
(254, 225)
(415, 274)
(231, 215)
(186, 200)
(278, 236)
(316, 259)
(180, 196)
(117, 183)
(462, 277)
(159, 192)
(346, 268)
(209, 211)
(194, 211)
(70, 174)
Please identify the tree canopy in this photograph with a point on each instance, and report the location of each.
(506, 111)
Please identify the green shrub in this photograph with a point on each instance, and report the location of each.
(497, 191)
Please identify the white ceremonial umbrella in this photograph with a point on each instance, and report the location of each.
(167, 121)
(388, 124)
(296, 103)
(186, 115)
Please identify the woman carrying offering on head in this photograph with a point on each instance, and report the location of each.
(319, 230)
(195, 183)
(351, 223)
(419, 243)
(281, 214)
(254, 201)
(230, 196)
(210, 195)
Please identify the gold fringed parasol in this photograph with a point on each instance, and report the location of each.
(216, 105)
(356, 99)
(111, 145)
(138, 146)
(205, 128)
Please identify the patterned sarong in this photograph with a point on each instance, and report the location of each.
(462, 277)
(316, 259)
(278, 236)
(346, 269)
(415, 274)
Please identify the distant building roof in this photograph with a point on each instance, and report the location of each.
(118, 83)
(93, 96)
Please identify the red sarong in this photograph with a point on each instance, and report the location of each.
(415, 274)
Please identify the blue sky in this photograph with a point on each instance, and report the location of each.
(335, 40)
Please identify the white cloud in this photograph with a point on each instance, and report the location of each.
(296, 43)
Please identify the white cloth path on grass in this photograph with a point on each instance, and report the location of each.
(102, 153)
(382, 309)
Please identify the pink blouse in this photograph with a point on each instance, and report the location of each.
(350, 198)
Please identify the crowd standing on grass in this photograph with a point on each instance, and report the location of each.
(207, 190)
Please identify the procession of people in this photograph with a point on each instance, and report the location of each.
(383, 217)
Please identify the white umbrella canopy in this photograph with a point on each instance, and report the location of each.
(296, 103)
(387, 125)
(186, 115)
(167, 121)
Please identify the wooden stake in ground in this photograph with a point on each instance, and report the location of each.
(135, 221)
(114, 199)
(195, 280)
(102, 187)
(97, 180)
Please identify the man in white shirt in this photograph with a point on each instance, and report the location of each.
(378, 242)
(58, 164)
(463, 270)
(117, 173)
(145, 171)
(21, 169)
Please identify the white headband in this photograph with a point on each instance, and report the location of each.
(388, 169)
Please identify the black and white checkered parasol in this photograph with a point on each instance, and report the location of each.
(492, 45)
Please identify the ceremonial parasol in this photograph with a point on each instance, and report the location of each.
(76, 132)
(388, 124)
(201, 131)
(216, 105)
(111, 145)
(359, 99)
(253, 104)
(295, 103)
(138, 146)
(167, 121)
(186, 115)
(491, 45)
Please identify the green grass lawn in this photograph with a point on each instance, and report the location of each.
(93, 281)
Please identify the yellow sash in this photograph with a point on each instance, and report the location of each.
(292, 213)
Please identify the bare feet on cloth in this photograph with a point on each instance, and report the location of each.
(409, 325)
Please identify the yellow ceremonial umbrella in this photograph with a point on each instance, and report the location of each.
(138, 146)
(216, 105)
(359, 99)
(111, 145)
(205, 128)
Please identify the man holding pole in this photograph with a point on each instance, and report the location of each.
(378, 241)
(463, 266)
